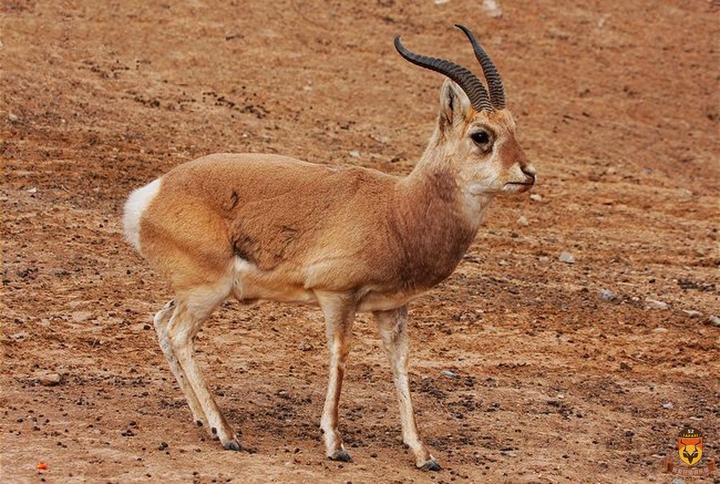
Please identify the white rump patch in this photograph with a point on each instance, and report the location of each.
(136, 204)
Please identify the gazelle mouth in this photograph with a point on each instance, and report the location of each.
(517, 187)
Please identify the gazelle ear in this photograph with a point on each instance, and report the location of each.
(454, 103)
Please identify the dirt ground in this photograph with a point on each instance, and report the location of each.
(522, 370)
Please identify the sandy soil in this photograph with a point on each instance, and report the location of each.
(617, 104)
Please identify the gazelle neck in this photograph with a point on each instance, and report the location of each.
(436, 220)
(435, 175)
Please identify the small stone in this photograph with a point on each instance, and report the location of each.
(691, 313)
(12, 117)
(523, 221)
(715, 321)
(355, 153)
(655, 304)
(660, 330)
(668, 405)
(492, 8)
(305, 346)
(80, 316)
(50, 379)
(535, 197)
(625, 367)
(566, 257)
(607, 295)
(503, 262)
(450, 374)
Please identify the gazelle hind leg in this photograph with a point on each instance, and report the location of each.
(392, 326)
(190, 312)
(161, 320)
(339, 314)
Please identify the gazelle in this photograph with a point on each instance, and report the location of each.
(348, 239)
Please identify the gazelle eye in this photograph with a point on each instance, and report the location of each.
(480, 137)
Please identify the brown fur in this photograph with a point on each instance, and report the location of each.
(347, 238)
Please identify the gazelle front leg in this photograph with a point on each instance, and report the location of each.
(392, 326)
(339, 312)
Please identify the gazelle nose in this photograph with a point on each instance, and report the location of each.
(529, 170)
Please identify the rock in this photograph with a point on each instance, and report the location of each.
(668, 405)
(691, 313)
(715, 321)
(80, 316)
(655, 304)
(503, 262)
(305, 346)
(50, 379)
(566, 257)
(535, 197)
(492, 8)
(660, 330)
(522, 221)
(602, 20)
(624, 366)
(450, 374)
(355, 153)
(12, 117)
(607, 295)
(441, 2)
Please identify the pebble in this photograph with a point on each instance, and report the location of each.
(492, 8)
(450, 374)
(566, 257)
(714, 320)
(305, 346)
(691, 313)
(655, 304)
(50, 379)
(668, 405)
(522, 221)
(535, 197)
(12, 117)
(503, 262)
(355, 154)
(660, 330)
(607, 295)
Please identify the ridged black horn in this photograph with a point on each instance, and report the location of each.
(495, 85)
(467, 81)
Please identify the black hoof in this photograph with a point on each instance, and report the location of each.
(232, 445)
(431, 465)
(341, 455)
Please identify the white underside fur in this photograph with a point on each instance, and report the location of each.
(136, 204)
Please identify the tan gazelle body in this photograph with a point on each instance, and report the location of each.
(348, 239)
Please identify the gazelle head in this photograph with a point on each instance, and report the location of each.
(475, 135)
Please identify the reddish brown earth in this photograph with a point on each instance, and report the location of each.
(617, 105)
